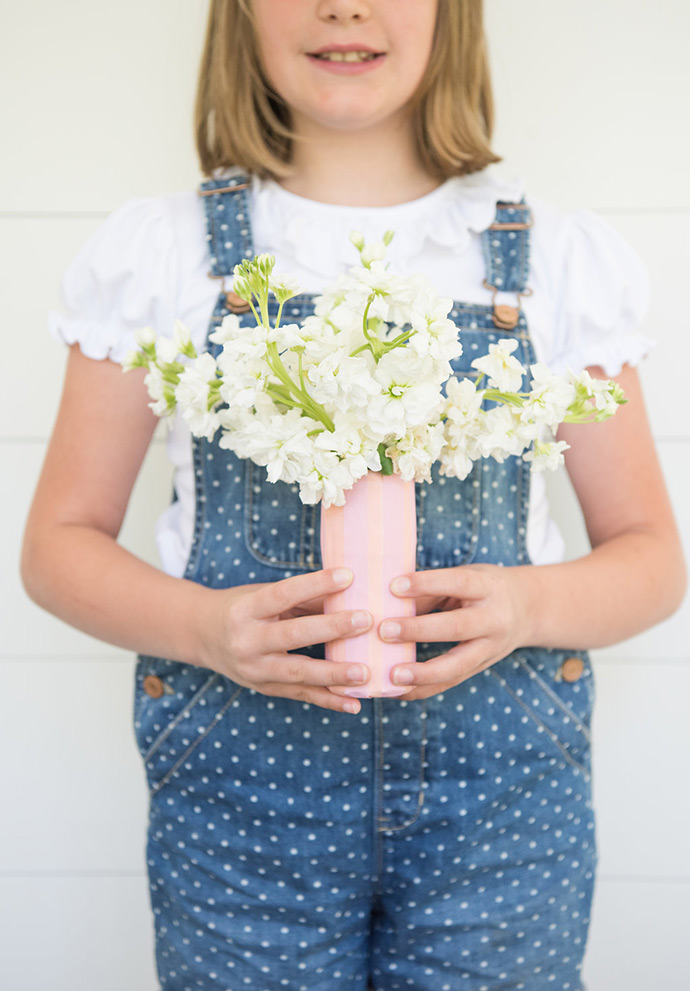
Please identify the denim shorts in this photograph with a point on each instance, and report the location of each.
(444, 844)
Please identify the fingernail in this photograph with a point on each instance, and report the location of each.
(400, 585)
(356, 674)
(390, 630)
(403, 676)
(342, 576)
(361, 620)
(352, 707)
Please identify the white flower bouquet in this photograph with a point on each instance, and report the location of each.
(364, 384)
(360, 399)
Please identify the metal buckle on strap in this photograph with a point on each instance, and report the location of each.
(513, 225)
(505, 317)
(224, 189)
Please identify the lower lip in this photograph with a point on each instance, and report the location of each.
(346, 68)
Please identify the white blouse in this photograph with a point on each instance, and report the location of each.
(148, 264)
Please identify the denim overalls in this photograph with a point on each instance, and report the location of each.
(444, 844)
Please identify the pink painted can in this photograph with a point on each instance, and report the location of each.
(375, 535)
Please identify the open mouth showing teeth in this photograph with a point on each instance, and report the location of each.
(346, 56)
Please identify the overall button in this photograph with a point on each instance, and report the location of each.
(505, 317)
(572, 668)
(153, 686)
(236, 304)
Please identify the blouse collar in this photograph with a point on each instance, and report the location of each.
(446, 217)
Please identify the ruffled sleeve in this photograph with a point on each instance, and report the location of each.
(123, 278)
(602, 297)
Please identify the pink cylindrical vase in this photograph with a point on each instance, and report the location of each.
(375, 535)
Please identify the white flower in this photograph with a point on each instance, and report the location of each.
(279, 442)
(288, 336)
(160, 392)
(166, 350)
(407, 397)
(248, 344)
(192, 395)
(547, 455)
(414, 454)
(505, 372)
(327, 480)
(597, 390)
(464, 400)
(503, 433)
(145, 337)
(229, 329)
(284, 287)
(183, 339)
(343, 381)
(351, 443)
(549, 397)
(373, 252)
(242, 383)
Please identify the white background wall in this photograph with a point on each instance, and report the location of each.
(96, 107)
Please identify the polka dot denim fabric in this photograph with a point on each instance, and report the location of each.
(438, 845)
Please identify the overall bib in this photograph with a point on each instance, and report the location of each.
(444, 844)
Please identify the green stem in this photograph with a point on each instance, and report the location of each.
(365, 318)
(310, 407)
(301, 372)
(256, 315)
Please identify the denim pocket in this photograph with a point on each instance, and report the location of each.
(170, 727)
(559, 711)
(281, 531)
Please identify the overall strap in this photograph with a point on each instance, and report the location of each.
(505, 245)
(228, 222)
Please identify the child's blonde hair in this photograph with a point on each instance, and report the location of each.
(241, 121)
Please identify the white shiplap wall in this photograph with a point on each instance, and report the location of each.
(96, 107)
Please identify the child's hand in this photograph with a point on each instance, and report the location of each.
(482, 611)
(251, 628)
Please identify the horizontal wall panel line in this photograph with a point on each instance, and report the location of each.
(57, 658)
(651, 661)
(643, 879)
(621, 211)
(53, 214)
(44, 440)
(75, 873)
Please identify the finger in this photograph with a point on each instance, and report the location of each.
(451, 668)
(460, 583)
(440, 627)
(322, 697)
(303, 631)
(280, 597)
(289, 670)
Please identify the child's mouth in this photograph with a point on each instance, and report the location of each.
(353, 56)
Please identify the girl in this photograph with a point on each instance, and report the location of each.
(299, 838)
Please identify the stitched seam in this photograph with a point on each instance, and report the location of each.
(309, 563)
(420, 797)
(530, 712)
(139, 687)
(199, 509)
(378, 790)
(164, 734)
(524, 255)
(476, 517)
(554, 697)
(214, 722)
